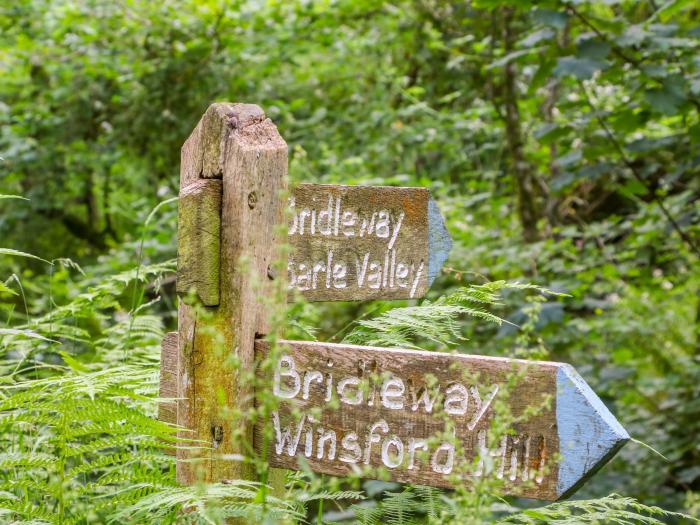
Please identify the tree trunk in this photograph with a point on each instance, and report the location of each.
(527, 191)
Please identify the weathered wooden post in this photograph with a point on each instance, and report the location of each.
(233, 177)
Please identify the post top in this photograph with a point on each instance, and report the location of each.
(240, 116)
(203, 153)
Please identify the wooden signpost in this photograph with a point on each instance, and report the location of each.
(352, 243)
(420, 417)
(425, 418)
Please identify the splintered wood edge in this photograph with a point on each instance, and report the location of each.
(199, 238)
(203, 154)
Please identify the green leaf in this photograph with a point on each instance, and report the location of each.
(550, 132)
(633, 188)
(667, 41)
(593, 49)
(655, 71)
(580, 68)
(647, 144)
(628, 120)
(562, 181)
(668, 99)
(25, 333)
(633, 36)
(548, 17)
(16, 253)
(510, 57)
(19, 197)
(569, 159)
(594, 171)
(73, 363)
(5, 289)
(695, 86)
(544, 71)
(538, 36)
(672, 7)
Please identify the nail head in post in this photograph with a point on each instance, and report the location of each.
(218, 434)
(252, 199)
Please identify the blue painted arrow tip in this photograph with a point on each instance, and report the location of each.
(589, 435)
(439, 241)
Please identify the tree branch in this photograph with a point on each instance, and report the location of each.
(620, 52)
(630, 165)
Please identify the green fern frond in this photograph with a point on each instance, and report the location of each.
(121, 459)
(24, 484)
(333, 496)
(400, 507)
(25, 460)
(7, 196)
(29, 511)
(610, 509)
(438, 321)
(366, 515)
(102, 443)
(402, 326)
(430, 499)
(130, 474)
(235, 499)
(29, 334)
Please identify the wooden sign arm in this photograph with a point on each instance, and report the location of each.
(341, 419)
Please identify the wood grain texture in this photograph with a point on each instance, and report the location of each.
(199, 236)
(430, 418)
(167, 410)
(353, 243)
(234, 142)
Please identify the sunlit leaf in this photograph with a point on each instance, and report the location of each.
(17, 253)
(19, 197)
(581, 68)
(25, 333)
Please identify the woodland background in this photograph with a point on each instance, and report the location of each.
(560, 139)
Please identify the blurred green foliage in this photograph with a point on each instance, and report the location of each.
(560, 139)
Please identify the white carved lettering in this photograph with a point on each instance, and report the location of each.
(392, 460)
(414, 445)
(397, 227)
(423, 396)
(382, 228)
(374, 438)
(323, 437)
(339, 271)
(481, 407)
(416, 279)
(312, 375)
(342, 387)
(444, 467)
(325, 215)
(291, 372)
(349, 220)
(402, 275)
(456, 399)
(392, 393)
(284, 437)
(351, 445)
(374, 276)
